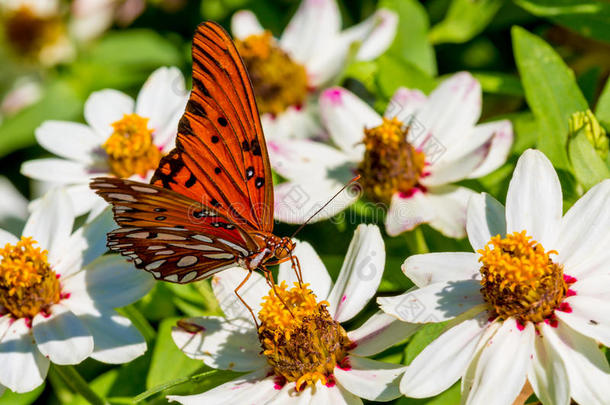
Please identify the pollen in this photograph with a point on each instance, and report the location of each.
(28, 285)
(301, 341)
(391, 164)
(278, 81)
(130, 148)
(520, 280)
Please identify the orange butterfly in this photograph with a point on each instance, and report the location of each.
(210, 202)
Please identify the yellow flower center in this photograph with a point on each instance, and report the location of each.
(130, 148)
(28, 286)
(391, 164)
(278, 81)
(303, 344)
(520, 280)
(28, 33)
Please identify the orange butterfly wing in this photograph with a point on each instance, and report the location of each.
(220, 157)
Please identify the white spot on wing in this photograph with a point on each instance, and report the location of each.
(122, 197)
(165, 252)
(203, 238)
(173, 278)
(169, 236)
(189, 277)
(186, 261)
(234, 246)
(220, 256)
(155, 264)
(138, 235)
(156, 247)
(144, 189)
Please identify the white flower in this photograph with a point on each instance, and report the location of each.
(122, 137)
(231, 343)
(90, 18)
(50, 43)
(539, 312)
(312, 40)
(58, 306)
(444, 143)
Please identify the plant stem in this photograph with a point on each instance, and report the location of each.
(75, 381)
(170, 384)
(416, 241)
(140, 322)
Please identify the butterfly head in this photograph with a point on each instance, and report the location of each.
(283, 248)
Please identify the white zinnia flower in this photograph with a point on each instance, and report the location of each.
(122, 138)
(538, 313)
(343, 375)
(408, 159)
(287, 73)
(35, 30)
(58, 294)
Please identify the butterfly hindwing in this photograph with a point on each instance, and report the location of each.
(220, 157)
(170, 235)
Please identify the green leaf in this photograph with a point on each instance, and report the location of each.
(59, 102)
(499, 83)
(393, 74)
(551, 92)
(411, 42)
(423, 338)
(590, 18)
(168, 362)
(602, 110)
(11, 398)
(464, 20)
(448, 397)
(589, 168)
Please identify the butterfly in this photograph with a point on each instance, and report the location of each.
(209, 204)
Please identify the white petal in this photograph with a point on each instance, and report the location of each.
(485, 218)
(70, 140)
(7, 237)
(314, 270)
(336, 395)
(403, 106)
(104, 107)
(444, 360)
(14, 205)
(251, 388)
(376, 34)
(86, 244)
(534, 201)
(590, 313)
(451, 111)
(108, 282)
(5, 322)
(224, 285)
(313, 25)
(296, 122)
(586, 365)
(378, 333)
(296, 201)
(56, 170)
(435, 302)
(51, 223)
(584, 229)
(502, 367)
(300, 159)
(498, 146)
(61, 336)
(346, 116)
(23, 366)
(360, 274)
(431, 268)
(115, 338)
(548, 375)
(161, 97)
(83, 198)
(370, 379)
(244, 23)
(449, 204)
(407, 211)
(220, 343)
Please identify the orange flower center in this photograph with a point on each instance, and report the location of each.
(28, 286)
(130, 148)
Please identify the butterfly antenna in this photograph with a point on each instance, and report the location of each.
(325, 205)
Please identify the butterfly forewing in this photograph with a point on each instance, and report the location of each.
(175, 238)
(220, 157)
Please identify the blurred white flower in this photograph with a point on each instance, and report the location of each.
(91, 18)
(35, 30)
(58, 294)
(531, 304)
(287, 73)
(318, 363)
(121, 138)
(408, 159)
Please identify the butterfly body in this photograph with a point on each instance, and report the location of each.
(209, 205)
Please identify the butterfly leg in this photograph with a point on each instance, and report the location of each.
(269, 277)
(242, 300)
(296, 266)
